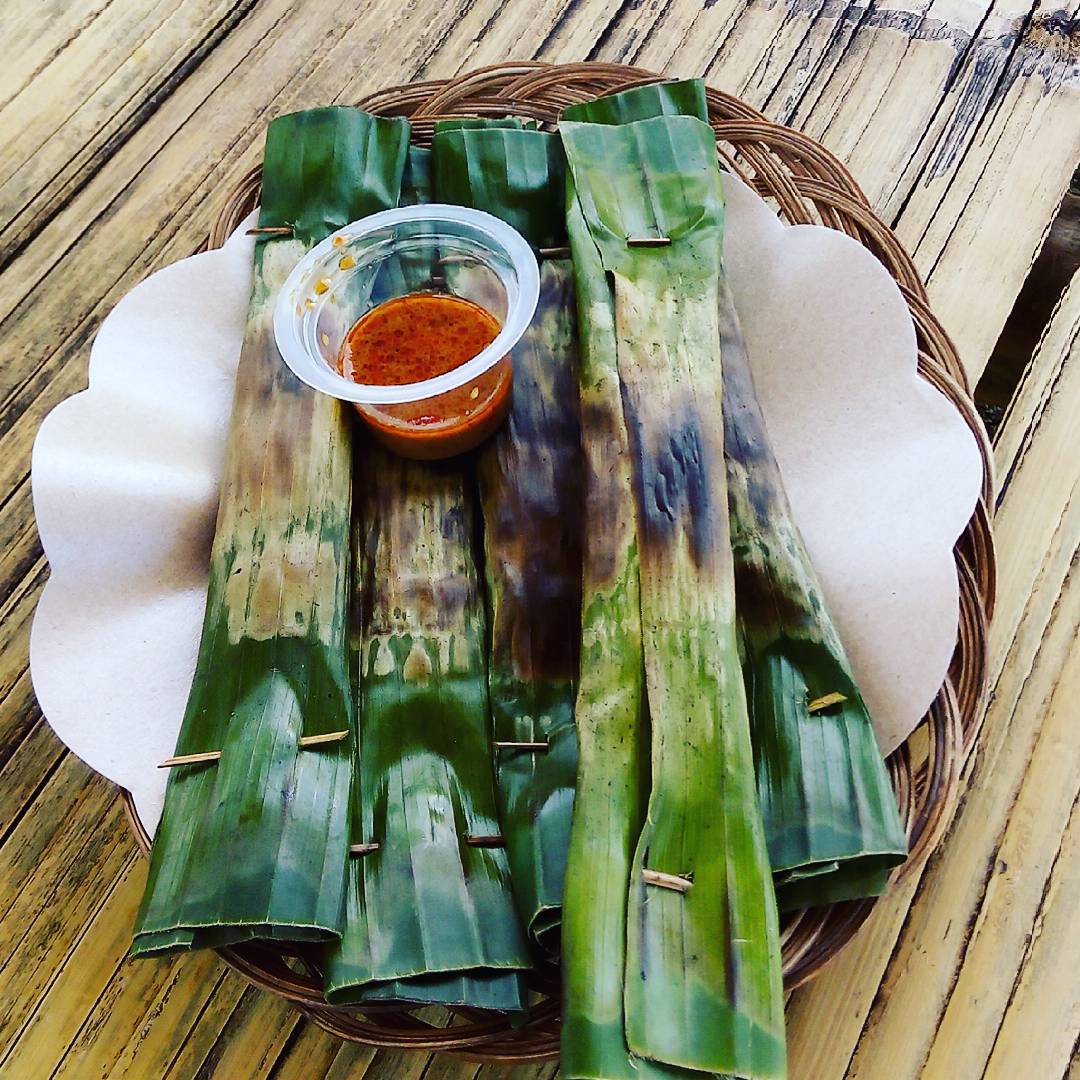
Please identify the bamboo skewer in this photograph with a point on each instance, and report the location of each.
(677, 882)
(190, 759)
(322, 740)
(823, 702)
(648, 241)
(537, 746)
(270, 230)
(485, 841)
(363, 849)
(304, 742)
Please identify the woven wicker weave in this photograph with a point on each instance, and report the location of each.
(806, 184)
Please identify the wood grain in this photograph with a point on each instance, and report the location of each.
(120, 123)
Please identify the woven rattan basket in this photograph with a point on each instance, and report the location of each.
(807, 185)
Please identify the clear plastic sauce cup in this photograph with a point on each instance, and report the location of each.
(435, 248)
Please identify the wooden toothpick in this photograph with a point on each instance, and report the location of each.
(648, 241)
(270, 230)
(678, 882)
(190, 759)
(485, 841)
(321, 740)
(538, 746)
(821, 703)
(362, 849)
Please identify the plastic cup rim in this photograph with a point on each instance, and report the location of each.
(319, 377)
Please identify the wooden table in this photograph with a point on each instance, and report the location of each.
(121, 121)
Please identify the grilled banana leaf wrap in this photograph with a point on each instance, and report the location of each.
(254, 844)
(701, 981)
(429, 914)
(831, 820)
(531, 496)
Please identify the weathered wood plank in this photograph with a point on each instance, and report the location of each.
(163, 1031)
(309, 1052)
(34, 34)
(959, 119)
(252, 1038)
(976, 221)
(488, 33)
(19, 710)
(16, 614)
(351, 1060)
(76, 987)
(198, 1043)
(92, 92)
(441, 1067)
(50, 917)
(1036, 465)
(40, 753)
(20, 546)
(1038, 1035)
(540, 1071)
(118, 1042)
(1007, 912)
(826, 1017)
(73, 795)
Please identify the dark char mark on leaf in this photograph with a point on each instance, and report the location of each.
(605, 498)
(673, 491)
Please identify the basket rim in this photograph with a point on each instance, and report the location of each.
(808, 184)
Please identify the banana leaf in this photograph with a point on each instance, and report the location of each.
(831, 821)
(681, 97)
(427, 901)
(531, 490)
(613, 734)
(410, 270)
(253, 845)
(609, 806)
(702, 987)
(464, 123)
(428, 918)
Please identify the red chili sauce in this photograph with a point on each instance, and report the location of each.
(416, 337)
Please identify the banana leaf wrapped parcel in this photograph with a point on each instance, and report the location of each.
(701, 982)
(831, 820)
(254, 834)
(429, 916)
(530, 489)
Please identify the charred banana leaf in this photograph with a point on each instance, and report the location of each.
(429, 914)
(531, 495)
(253, 844)
(612, 727)
(702, 986)
(831, 821)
